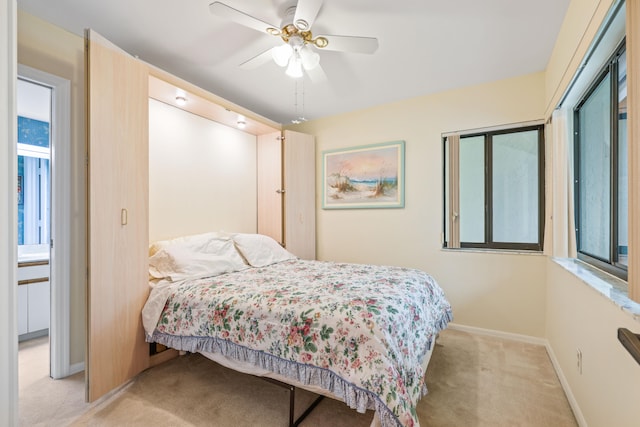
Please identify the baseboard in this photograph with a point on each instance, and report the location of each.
(577, 413)
(76, 367)
(162, 357)
(499, 334)
(565, 386)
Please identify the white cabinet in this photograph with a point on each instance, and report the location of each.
(286, 191)
(39, 306)
(23, 310)
(33, 300)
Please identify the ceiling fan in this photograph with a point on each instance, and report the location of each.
(298, 51)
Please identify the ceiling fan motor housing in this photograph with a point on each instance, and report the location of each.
(299, 29)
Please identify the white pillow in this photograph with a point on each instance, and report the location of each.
(190, 261)
(194, 241)
(260, 250)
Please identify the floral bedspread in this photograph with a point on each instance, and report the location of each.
(359, 331)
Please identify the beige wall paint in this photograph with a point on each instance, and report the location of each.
(578, 317)
(202, 175)
(498, 291)
(580, 25)
(49, 48)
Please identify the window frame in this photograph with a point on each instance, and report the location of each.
(612, 265)
(40, 224)
(489, 243)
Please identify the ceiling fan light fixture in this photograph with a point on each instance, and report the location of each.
(281, 54)
(302, 25)
(321, 42)
(295, 67)
(309, 58)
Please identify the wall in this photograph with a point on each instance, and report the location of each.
(607, 391)
(497, 291)
(580, 26)
(578, 317)
(202, 175)
(48, 48)
(8, 221)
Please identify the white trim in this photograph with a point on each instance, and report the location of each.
(8, 216)
(577, 413)
(60, 257)
(499, 334)
(76, 367)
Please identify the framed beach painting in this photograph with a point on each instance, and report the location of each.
(369, 176)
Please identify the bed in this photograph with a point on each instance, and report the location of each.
(362, 334)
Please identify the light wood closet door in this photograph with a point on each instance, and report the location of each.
(118, 170)
(270, 186)
(300, 196)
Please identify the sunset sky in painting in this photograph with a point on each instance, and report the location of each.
(364, 164)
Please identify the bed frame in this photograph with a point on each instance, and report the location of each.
(292, 384)
(292, 398)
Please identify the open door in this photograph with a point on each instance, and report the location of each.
(270, 186)
(118, 188)
(299, 172)
(286, 191)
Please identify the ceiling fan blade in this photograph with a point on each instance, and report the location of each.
(306, 12)
(317, 74)
(351, 44)
(258, 60)
(220, 9)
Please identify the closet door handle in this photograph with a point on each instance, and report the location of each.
(279, 191)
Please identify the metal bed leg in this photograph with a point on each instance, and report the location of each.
(305, 413)
(292, 405)
(292, 401)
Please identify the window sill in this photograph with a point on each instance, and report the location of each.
(493, 251)
(611, 287)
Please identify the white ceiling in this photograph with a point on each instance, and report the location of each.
(425, 46)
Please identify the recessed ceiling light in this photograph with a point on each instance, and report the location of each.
(242, 122)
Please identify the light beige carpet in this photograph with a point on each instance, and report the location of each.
(473, 380)
(43, 401)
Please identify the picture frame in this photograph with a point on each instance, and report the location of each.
(364, 177)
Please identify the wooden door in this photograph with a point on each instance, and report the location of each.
(270, 186)
(118, 187)
(300, 196)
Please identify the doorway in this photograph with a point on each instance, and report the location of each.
(43, 148)
(34, 205)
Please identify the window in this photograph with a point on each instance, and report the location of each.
(600, 125)
(494, 189)
(34, 187)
